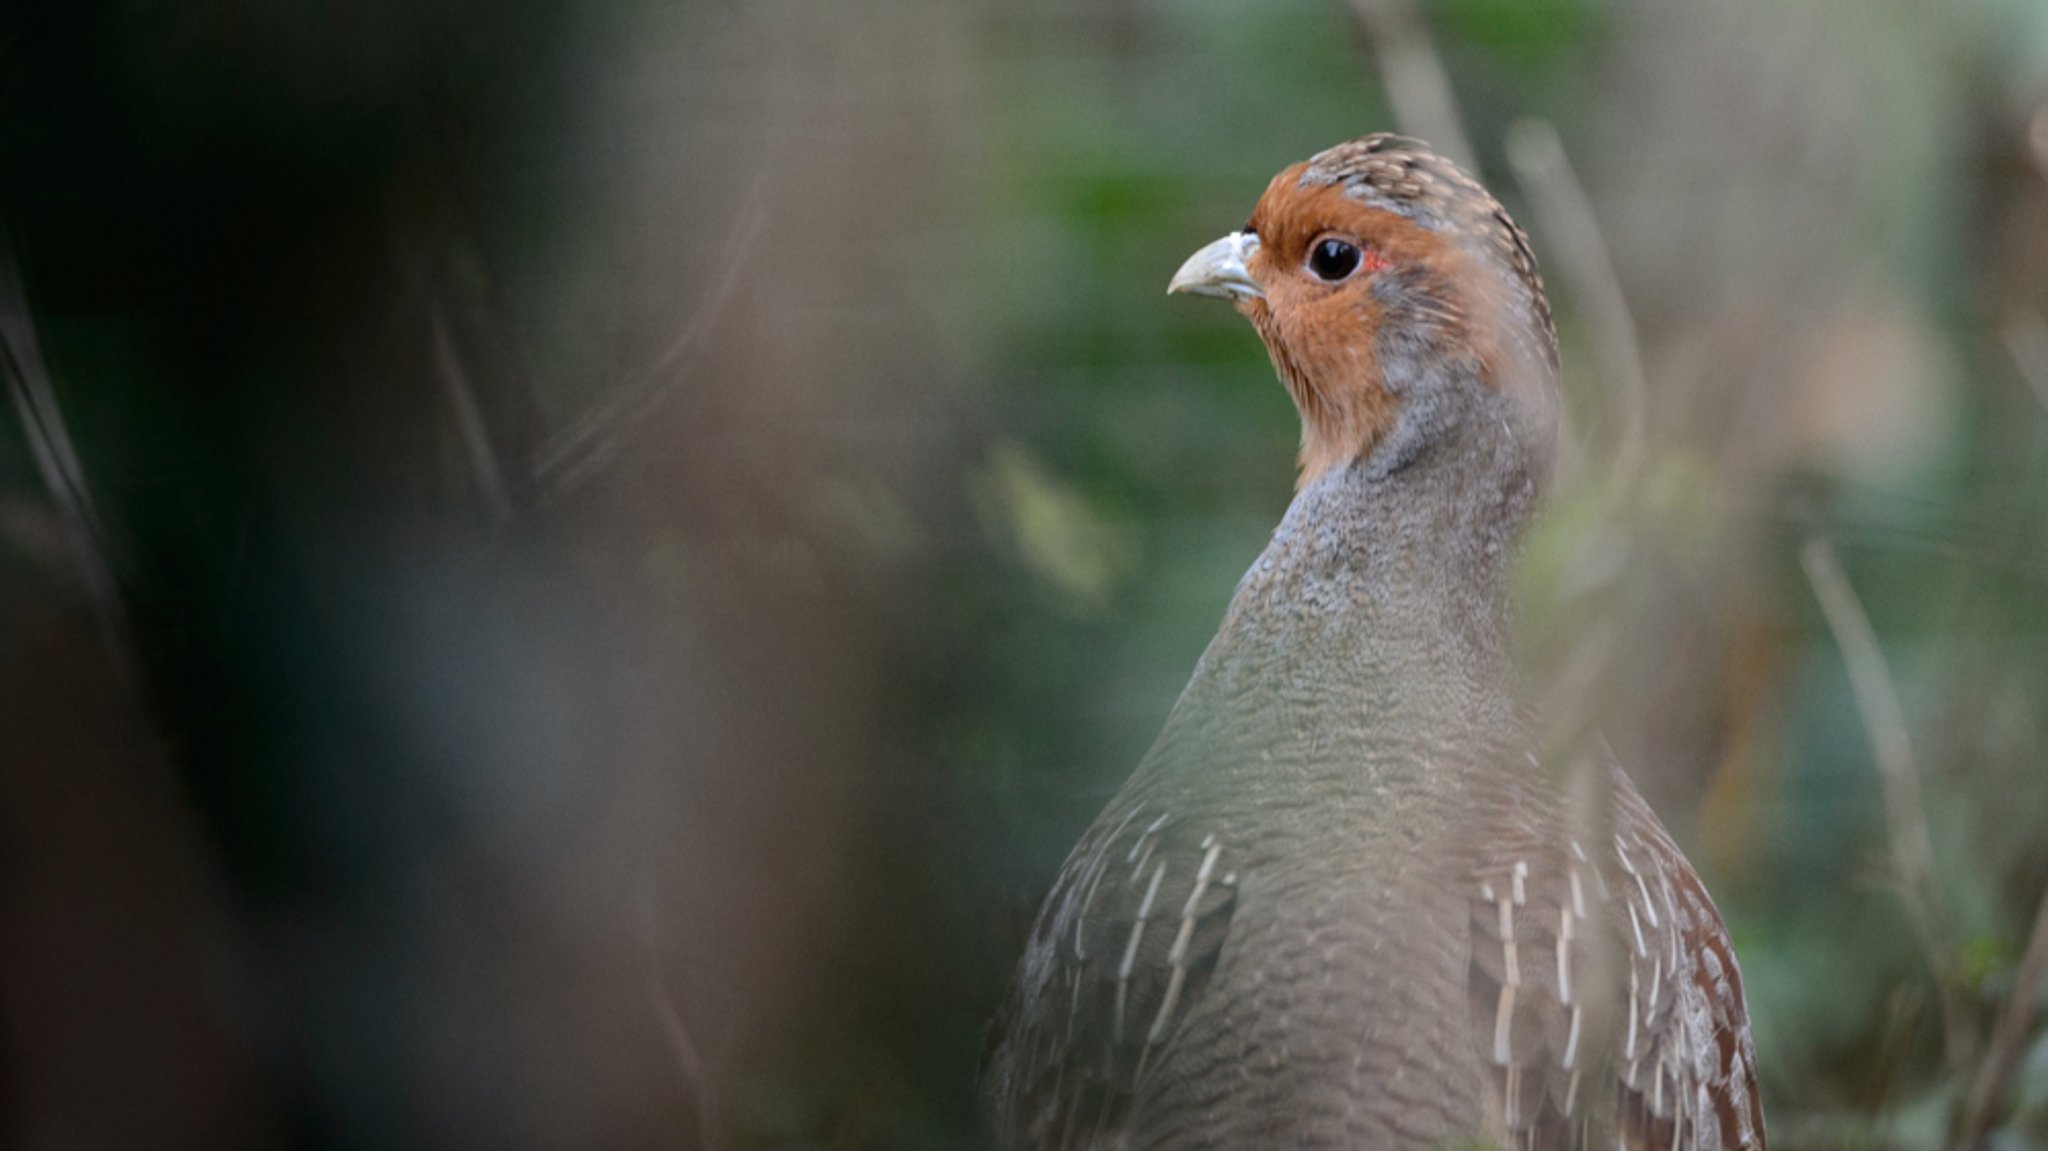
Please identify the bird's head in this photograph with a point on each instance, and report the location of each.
(1398, 301)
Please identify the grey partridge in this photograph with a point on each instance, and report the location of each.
(1342, 902)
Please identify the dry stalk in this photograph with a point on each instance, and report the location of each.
(469, 422)
(58, 465)
(2026, 341)
(570, 456)
(1884, 722)
(2008, 1036)
(1414, 77)
(693, 1073)
(1565, 216)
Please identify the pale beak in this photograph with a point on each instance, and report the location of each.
(1219, 270)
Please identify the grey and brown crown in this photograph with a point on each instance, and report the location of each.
(1406, 177)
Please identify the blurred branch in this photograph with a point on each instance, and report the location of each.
(2008, 1035)
(2037, 140)
(571, 456)
(57, 462)
(1413, 74)
(1570, 705)
(689, 1055)
(1884, 721)
(2026, 340)
(1566, 216)
(469, 421)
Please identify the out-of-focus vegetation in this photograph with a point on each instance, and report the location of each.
(568, 573)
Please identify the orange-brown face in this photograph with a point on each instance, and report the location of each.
(1319, 281)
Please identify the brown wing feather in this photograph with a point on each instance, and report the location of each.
(1606, 1000)
(1693, 1080)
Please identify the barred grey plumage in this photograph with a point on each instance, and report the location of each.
(1340, 903)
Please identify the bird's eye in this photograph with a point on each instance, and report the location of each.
(1333, 260)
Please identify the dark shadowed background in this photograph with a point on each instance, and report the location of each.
(569, 572)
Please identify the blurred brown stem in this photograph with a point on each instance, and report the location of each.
(569, 457)
(469, 421)
(2008, 1035)
(1565, 214)
(1414, 77)
(57, 463)
(1884, 721)
(2037, 140)
(692, 1072)
(2026, 341)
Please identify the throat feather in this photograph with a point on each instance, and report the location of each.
(1343, 403)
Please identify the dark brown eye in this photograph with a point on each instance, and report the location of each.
(1333, 260)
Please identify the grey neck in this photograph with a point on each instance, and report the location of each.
(1383, 593)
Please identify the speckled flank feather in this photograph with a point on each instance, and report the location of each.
(1339, 904)
(1656, 1059)
(1130, 935)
